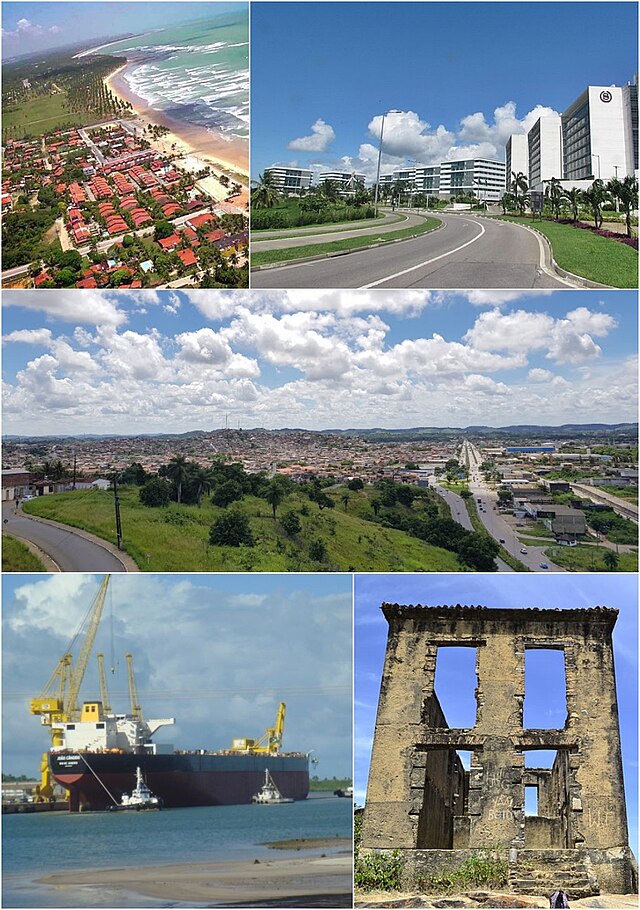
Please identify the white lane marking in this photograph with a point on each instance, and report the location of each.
(421, 265)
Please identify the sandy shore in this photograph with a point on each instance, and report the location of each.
(310, 880)
(194, 146)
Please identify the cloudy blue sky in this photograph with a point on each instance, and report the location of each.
(463, 76)
(456, 679)
(167, 361)
(217, 652)
(31, 27)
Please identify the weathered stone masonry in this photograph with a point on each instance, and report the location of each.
(422, 801)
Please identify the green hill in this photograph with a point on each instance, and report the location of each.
(176, 538)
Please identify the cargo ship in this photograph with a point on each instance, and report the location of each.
(97, 758)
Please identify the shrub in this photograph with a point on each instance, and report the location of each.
(485, 869)
(155, 492)
(378, 871)
(231, 530)
(291, 523)
(317, 550)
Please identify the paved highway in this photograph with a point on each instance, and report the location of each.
(460, 514)
(467, 252)
(495, 524)
(71, 551)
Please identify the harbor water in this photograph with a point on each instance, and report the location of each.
(36, 845)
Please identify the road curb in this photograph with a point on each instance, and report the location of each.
(128, 564)
(48, 561)
(562, 273)
(356, 249)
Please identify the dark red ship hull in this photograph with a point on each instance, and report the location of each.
(179, 779)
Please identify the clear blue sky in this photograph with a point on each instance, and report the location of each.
(315, 359)
(217, 652)
(516, 591)
(30, 27)
(344, 63)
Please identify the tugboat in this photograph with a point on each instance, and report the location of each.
(141, 797)
(346, 792)
(269, 795)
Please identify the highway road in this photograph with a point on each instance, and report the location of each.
(495, 524)
(69, 550)
(467, 252)
(460, 514)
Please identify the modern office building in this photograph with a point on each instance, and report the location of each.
(517, 157)
(544, 142)
(290, 180)
(346, 181)
(483, 177)
(598, 133)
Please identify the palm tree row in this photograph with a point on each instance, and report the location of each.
(595, 197)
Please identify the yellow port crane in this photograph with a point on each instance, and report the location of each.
(58, 701)
(136, 710)
(104, 692)
(269, 743)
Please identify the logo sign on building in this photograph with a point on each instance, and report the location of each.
(606, 96)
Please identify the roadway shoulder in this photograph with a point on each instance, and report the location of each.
(332, 255)
(128, 564)
(551, 263)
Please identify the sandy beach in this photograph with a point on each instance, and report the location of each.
(194, 146)
(311, 881)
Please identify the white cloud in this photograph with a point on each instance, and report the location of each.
(322, 135)
(30, 336)
(539, 375)
(89, 307)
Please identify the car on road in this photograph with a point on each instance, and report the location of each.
(523, 550)
(502, 540)
(27, 498)
(544, 565)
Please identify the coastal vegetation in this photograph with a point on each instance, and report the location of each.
(62, 91)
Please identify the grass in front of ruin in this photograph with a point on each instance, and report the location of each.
(16, 557)
(591, 558)
(588, 255)
(176, 538)
(267, 257)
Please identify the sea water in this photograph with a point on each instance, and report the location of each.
(36, 845)
(197, 72)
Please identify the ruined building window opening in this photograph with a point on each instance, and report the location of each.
(443, 821)
(530, 800)
(465, 757)
(539, 758)
(455, 685)
(545, 689)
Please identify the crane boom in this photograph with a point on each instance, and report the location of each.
(77, 674)
(104, 694)
(136, 710)
(270, 741)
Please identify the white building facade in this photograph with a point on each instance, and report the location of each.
(290, 180)
(347, 181)
(544, 143)
(597, 133)
(517, 157)
(482, 177)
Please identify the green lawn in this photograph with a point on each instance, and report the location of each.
(535, 529)
(588, 255)
(16, 557)
(351, 243)
(176, 538)
(307, 230)
(584, 558)
(42, 115)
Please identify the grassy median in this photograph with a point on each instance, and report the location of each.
(267, 257)
(588, 255)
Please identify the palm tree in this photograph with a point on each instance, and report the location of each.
(274, 495)
(177, 471)
(554, 194)
(507, 202)
(264, 195)
(519, 182)
(202, 481)
(627, 192)
(345, 500)
(610, 559)
(574, 197)
(595, 196)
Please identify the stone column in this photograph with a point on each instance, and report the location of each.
(396, 775)
(496, 789)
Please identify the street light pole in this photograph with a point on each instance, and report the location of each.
(375, 201)
(116, 502)
(615, 167)
(598, 157)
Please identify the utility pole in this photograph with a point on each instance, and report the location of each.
(75, 463)
(116, 502)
